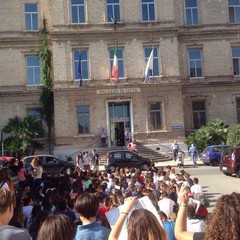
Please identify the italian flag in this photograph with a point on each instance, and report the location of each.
(115, 65)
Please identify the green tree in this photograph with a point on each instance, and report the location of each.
(23, 133)
(214, 132)
(46, 97)
(233, 137)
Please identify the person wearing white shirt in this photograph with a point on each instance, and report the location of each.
(194, 224)
(196, 188)
(165, 204)
(86, 161)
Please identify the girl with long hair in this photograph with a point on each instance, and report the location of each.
(142, 224)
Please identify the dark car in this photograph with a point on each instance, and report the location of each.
(230, 161)
(211, 155)
(11, 172)
(51, 164)
(124, 158)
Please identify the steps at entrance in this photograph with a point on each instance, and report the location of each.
(143, 150)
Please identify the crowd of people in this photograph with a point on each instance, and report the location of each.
(64, 207)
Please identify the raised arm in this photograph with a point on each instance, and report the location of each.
(128, 206)
(180, 230)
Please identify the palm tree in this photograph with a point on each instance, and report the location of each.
(22, 135)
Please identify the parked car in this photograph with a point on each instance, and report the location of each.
(11, 174)
(230, 161)
(124, 158)
(211, 155)
(51, 164)
(4, 160)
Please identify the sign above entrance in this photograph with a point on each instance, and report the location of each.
(176, 127)
(119, 90)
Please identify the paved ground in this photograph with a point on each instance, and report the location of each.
(187, 163)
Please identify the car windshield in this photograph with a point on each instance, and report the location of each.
(206, 149)
(130, 155)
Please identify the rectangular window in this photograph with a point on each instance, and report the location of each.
(191, 12)
(33, 70)
(83, 117)
(199, 114)
(78, 11)
(238, 109)
(234, 11)
(147, 52)
(113, 10)
(155, 116)
(36, 113)
(31, 16)
(83, 64)
(195, 63)
(236, 61)
(148, 10)
(120, 60)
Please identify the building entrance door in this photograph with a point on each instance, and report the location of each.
(119, 118)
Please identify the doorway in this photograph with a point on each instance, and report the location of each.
(119, 119)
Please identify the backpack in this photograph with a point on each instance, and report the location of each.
(203, 199)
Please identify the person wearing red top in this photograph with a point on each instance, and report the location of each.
(107, 204)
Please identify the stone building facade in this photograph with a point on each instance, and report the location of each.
(195, 76)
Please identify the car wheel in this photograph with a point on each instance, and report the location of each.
(144, 167)
(238, 172)
(227, 174)
(68, 171)
(213, 162)
(112, 169)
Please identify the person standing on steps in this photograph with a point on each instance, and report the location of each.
(103, 136)
(132, 146)
(175, 149)
(127, 136)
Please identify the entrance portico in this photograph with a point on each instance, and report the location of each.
(119, 118)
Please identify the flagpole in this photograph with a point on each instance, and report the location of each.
(80, 69)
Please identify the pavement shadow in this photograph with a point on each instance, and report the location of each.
(212, 195)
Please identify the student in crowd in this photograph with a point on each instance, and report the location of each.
(142, 224)
(193, 223)
(37, 171)
(7, 205)
(95, 159)
(165, 204)
(58, 227)
(86, 161)
(21, 173)
(196, 188)
(167, 225)
(223, 223)
(79, 160)
(87, 206)
(5, 181)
